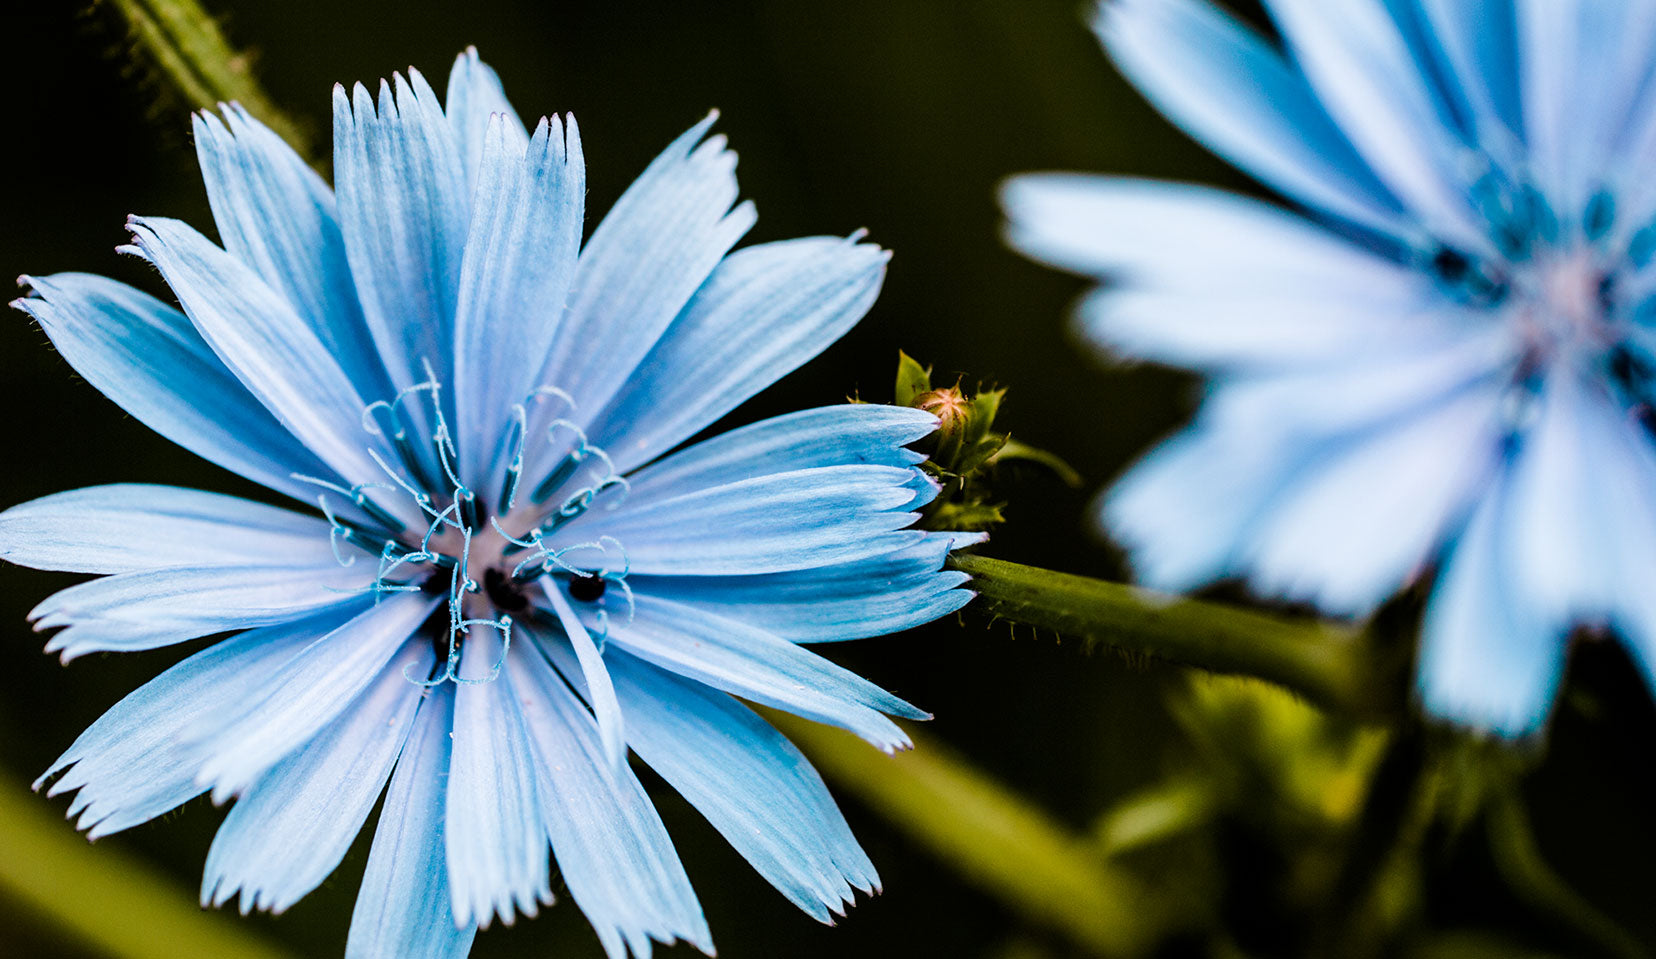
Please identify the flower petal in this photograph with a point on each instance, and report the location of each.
(594, 677)
(403, 206)
(519, 262)
(1489, 659)
(494, 835)
(255, 332)
(850, 433)
(280, 219)
(756, 665)
(402, 909)
(474, 95)
(753, 785)
(767, 524)
(1227, 88)
(764, 311)
(612, 849)
(145, 355)
(1191, 238)
(138, 761)
(133, 527)
(652, 251)
(153, 608)
(869, 597)
(292, 827)
(307, 693)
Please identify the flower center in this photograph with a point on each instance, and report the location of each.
(491, 564)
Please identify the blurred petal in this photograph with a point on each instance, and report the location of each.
(1239, 97)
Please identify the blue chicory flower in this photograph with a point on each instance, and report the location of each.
(509, 585)
(1438, 369)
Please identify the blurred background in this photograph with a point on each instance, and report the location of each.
(900, 116)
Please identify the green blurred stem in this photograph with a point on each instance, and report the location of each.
(995, 838)
(190, 50)
(106, 900)
(1332, 666)
(1519, 859)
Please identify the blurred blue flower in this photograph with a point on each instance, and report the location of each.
(1440, 366)
(503, 593)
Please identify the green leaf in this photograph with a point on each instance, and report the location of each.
(912, 379)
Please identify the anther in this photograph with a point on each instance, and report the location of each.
(588, 588)
(559, 476)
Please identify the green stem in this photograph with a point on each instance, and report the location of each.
(1332, 666)
(190, 50)
(1519, 859)
(107, 901)
(995, 838)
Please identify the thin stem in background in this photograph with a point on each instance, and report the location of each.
(102, 898)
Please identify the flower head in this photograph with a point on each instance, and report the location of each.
(500, 584)
(1440, 365)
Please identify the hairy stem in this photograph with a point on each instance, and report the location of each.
(188, 48)
(1333, 666)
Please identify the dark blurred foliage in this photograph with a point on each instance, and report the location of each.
(901, 116)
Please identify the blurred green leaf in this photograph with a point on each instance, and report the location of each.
(912, 379)
(104, 899)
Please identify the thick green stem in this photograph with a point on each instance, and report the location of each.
(105, 900)
(187, 47)
(1332, 666)
(993, 837)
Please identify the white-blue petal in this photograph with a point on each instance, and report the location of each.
(612, 849)
(403, 203)
(152, 608)
(594, 676)
(1489, 659)
(277, 216)
(474, 95)
(495, 840)
(1239, 97)
(751, 663)
(292, 827)
(145, 355)
(849, 433)
(138, 760)
(764, 311)
(514, 281)
(1195, 238)
(306, 694)
(869, 597)
(131, 527)
(652, 251)
(753, 785)
(768, 524)
(257, 335)
(402, 909)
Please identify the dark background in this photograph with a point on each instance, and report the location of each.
(901, 116)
